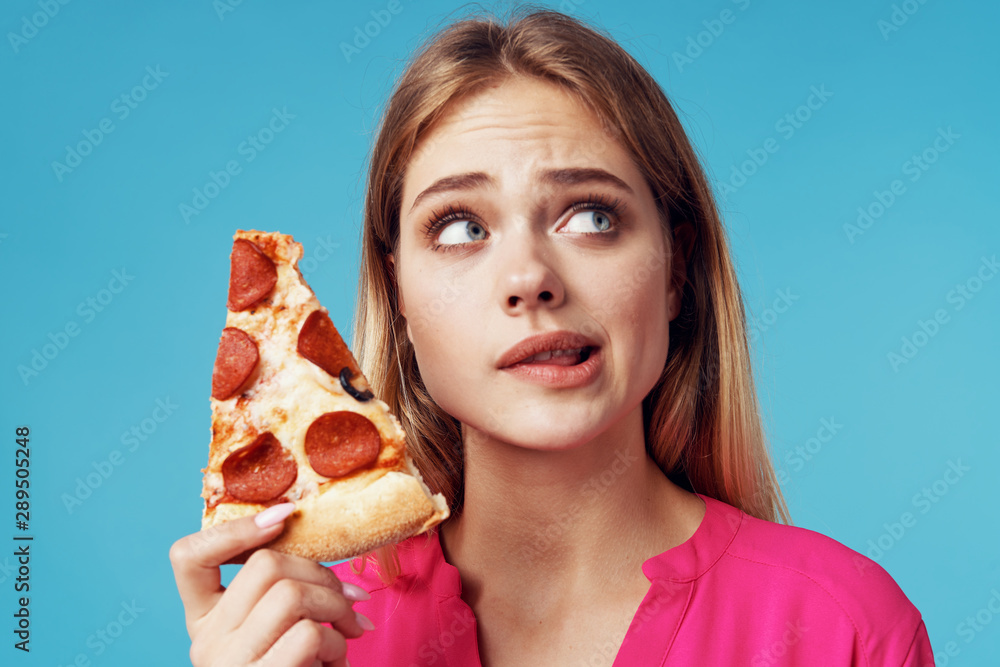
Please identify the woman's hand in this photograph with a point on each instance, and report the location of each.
(272, 612)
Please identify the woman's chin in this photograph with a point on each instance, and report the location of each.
(543, 438)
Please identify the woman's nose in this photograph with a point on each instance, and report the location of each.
(527, 277)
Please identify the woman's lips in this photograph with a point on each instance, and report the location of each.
(562, 339)
(560, 357)
(560, 372)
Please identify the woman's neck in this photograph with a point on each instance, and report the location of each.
(547, 521)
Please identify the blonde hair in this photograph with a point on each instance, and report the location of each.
(702, 420)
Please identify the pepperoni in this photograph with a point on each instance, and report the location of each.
(259, 472)
(339, 442)
(234, 363)
(320, 343)
(252, 275)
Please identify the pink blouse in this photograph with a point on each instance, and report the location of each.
(739, 591)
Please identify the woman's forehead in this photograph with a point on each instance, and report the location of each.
(516, 105)
(520, 125)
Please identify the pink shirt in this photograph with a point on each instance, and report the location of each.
(740, 591)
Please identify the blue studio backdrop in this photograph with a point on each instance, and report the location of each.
(852, 147)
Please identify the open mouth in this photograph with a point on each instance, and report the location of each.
(572, 357)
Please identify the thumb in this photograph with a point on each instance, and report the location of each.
(196, 558)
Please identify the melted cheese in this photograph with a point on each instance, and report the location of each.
(287, 392)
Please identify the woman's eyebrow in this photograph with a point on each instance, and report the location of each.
(478, 179)
(458, 182)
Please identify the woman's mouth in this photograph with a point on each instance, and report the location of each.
(559, 357)
(560, 368)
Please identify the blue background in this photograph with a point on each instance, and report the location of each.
(854, 297)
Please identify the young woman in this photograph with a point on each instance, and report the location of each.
(548, 303)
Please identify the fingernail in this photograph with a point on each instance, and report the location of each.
(347, 662)
(273, 515)
(364, 621)
(352, 592)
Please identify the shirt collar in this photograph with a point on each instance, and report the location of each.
(421, 556)
(695, 556)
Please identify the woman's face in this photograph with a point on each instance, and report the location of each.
(517, 259)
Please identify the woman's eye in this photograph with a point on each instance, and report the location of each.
(462, 231)
(591, 220)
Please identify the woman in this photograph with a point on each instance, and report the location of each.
(548, 304)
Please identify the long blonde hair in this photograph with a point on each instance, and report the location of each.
(702, 420)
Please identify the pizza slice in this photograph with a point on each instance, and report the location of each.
(294, 420)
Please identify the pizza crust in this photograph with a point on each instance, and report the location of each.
(333, 526)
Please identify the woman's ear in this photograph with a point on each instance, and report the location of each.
(680, 254)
